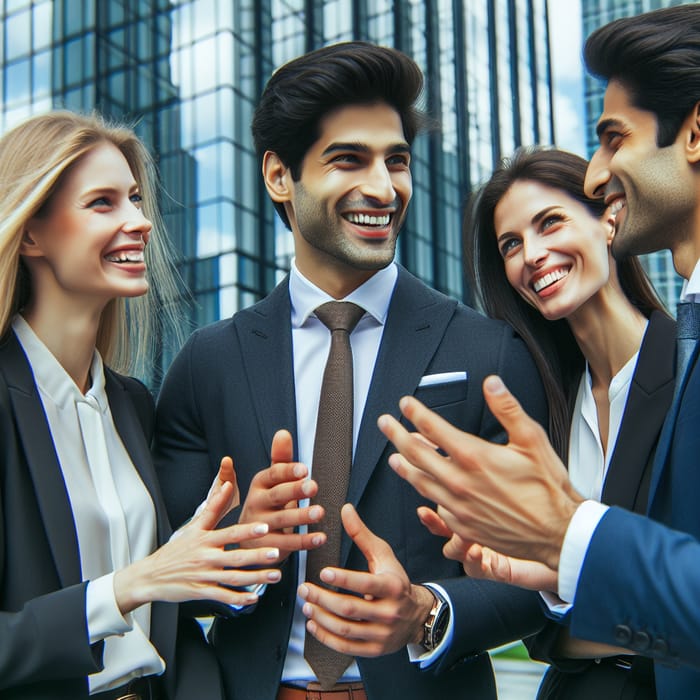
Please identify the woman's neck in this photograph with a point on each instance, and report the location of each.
(70, 337)
(609, 331)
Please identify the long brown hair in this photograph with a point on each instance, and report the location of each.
(551, 343)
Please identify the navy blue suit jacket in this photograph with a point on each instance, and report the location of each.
(44, 648)
(640, 582)
(232, 387)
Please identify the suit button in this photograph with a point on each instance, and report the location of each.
(623, 635)
(641, 641)
(659, 647)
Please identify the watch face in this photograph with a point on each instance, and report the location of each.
(440, 625)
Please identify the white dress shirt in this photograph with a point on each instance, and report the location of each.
(587, 516)
(311, 341)
(112, 509)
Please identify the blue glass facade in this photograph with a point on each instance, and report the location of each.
(188, 73)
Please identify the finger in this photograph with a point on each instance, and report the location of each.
(521, 429)
(287, 543)
(241, 532)
(368, 585)
(419, 477)
(340, 604)
(433, 522)
(294, 517)
(228, 474)
(249, 577)
(282, 449)
(279, 473)
(377, 552)
(215, 507)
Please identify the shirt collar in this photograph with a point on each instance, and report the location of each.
(691, 287)
(50, 375)
(374, 296)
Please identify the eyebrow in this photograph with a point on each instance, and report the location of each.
(110, 189)
(605, 124)
(355, 147)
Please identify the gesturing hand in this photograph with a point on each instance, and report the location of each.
(196, 565)
(381, 613)
(274, 496)
(515, 498)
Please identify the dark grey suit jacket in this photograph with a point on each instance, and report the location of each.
(44, 648)
(232, 387)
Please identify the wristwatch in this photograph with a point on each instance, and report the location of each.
(436, 623)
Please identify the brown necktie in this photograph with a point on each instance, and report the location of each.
(332, 460)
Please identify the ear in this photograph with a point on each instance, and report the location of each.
(28, 247)
(692, 124)
(277, 177)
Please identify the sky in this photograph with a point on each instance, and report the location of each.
(567, 68)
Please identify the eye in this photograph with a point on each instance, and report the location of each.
(508, 246)
(611, 139)
(100, 202)
(345, 158)
(401, 160)
(551, 220)
(136, 199)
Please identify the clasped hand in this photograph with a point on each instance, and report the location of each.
(375, 612)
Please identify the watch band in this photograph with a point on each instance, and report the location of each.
(436, 623)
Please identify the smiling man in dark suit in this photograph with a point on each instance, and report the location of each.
(333, 131)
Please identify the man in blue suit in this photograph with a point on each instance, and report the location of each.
(333, 132)
(634, 581)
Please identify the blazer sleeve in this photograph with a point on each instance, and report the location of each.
(489, 614)
(648, 601)
(47, 640)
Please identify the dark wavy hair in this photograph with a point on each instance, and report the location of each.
(551, 343)
(656, 57)
(302, 92)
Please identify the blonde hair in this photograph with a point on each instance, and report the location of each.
(33, 158)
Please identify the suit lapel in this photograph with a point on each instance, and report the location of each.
(669, 427)
(649, 399)
(414, 328)
(42, 461)
(265, 338)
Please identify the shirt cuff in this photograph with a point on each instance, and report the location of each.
(416, 652)
(573, 552)
(102, 611)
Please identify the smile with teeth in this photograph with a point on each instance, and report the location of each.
(617, 205)
(369, 220)
(550, 278)
(125, 256)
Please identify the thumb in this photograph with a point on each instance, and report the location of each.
(282, 449)
(215, 507)
(508, 412)
(227, 474)
(376, 550)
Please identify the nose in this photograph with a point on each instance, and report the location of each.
(597, 176)
(378, 183)
(136, 224)
(534, 251)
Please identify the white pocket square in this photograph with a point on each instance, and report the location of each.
(442, 378)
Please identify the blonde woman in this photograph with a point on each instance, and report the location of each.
(88, 570)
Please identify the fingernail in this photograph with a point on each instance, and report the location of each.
(307, 488)
(299, 470)
(306, 609)
(402, 402)
(317, 540)
(381, 422)
(303, 591)
(274, 576)
(272, 553)
(327, 575)
(494, 384)
(261, 529)
(250, 599)
(315, 512)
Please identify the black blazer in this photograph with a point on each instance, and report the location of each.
(626, 485)
(232, 387)
(44, 649)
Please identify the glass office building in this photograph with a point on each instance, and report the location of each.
(596, 13)
(188, 73)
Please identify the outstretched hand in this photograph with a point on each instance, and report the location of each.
(514, 498)
(273, 498)
(375, 612)
(197, 563)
